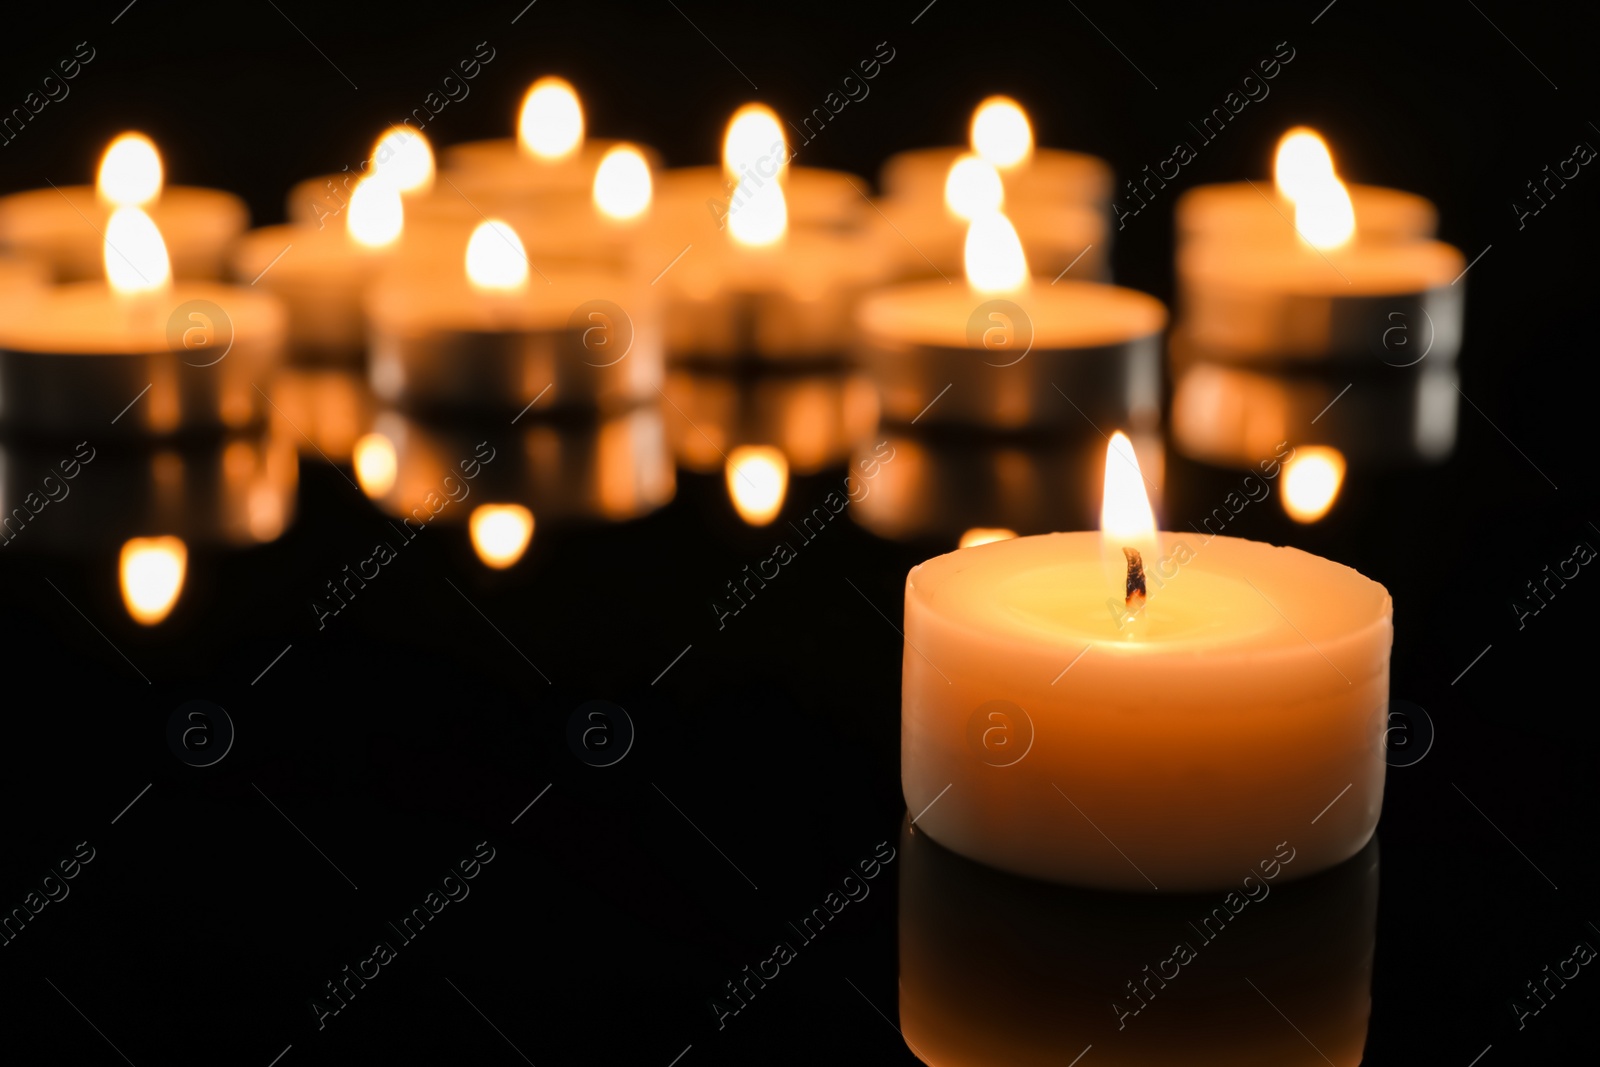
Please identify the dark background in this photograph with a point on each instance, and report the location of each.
(408, 730)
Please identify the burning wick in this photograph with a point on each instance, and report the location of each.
(1135, 588)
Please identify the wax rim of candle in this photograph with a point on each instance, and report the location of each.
(1254, 207)
(181, 209)
(934, 313)
(404, 298)
(916, 171)
(311, 257)
(1366, 604)
(44, 323)
(1356, 270)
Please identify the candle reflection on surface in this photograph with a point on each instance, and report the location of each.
(324, 411)
(813, 419)
(375, 464)
(1311, 482)
(151, 572)
(758, 480)
(500, 533)
(1002, 970)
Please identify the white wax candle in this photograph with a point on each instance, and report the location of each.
(1245, 708)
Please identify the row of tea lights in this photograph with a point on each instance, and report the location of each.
(1194, 723)
(526, 270)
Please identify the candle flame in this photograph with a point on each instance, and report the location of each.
(994, 258)
(130, 172)
(973, 188)
(622, 184)
(135, 255)
(983, 535)
(404, 157)
(376, 464)
(1303, 172)
(500, 533)
(551, 123)
(758, 216)
(758, 480)
(1001, 133)
(151, 572)
(495, 258)
(376, 215)
(1311, 482)
(754, 137)
(1126, 520)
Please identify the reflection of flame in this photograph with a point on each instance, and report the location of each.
(152, 571)
(1311, 482)
(551, 123)
(758, 479)
(135, 255)
(500, 533)
(1000, 132)
(622, 184)
(973, 188)
(758, 217)
(983, 535)
(376, 465)
(1303, 172)
(376, 214)
(130, 172)
(495, 257)
(754, 135)
(994, 258)
(403, 157)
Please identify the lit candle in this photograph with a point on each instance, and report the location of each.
(63, 227)
(750, 283)
(137, 353)
(1139, 710)
(551, 154)
(401, 155)
(492, 335)
(928, 238)
(1326, 282)
(322, 274)
(698, 202)
(1007, 350)
(1001, 134)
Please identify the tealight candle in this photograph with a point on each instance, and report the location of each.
(491, 337)
(322, 274)
(64, 226)
(401, 155)
(763, 290)
(695, 203)
(1002, 135)
(1254, 213)
(930, 238)
(1137, 710)
(1007, 351)
(550, 153)
(138, 353)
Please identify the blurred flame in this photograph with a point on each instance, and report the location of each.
(495, 257)
(1001, 133)
(754, 134)
(405, 160)
(983, 535)
(500, 533)
(1311, 482)
(130, 171)
(376, 214)
(1303, 172)
(135, 255)
(994, 258)
(551, 123)
(152, 571)
(622, 184)
(376, 464)
(758, 217)
(758, 480)
(973, 188)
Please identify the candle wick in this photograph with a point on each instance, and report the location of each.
(1135, 585)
